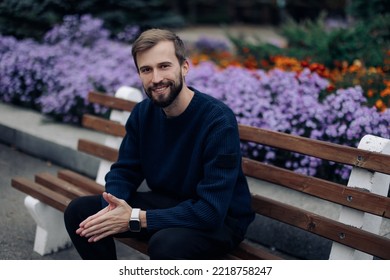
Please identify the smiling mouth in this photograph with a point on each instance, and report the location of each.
(160, 88)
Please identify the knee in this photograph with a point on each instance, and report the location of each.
(164, 245)
(71, 213)
(73, 206)
(79, 209)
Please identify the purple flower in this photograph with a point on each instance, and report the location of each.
(82, 30)
(206, 44)
(129, 34)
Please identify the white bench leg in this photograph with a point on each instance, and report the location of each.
(51, 234)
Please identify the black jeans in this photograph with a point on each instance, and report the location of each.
(169, 243)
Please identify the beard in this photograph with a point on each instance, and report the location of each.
(162, 100)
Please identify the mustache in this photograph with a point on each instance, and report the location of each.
(164, 84)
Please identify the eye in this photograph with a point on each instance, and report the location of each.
(165, 66)
(144, 70)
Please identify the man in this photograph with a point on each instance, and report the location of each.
(185, 144)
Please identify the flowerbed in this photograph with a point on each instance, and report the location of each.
(54, 77)
(375, 81)
(289, 102)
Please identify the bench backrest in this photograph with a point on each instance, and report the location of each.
(350, 197)
(347, 196)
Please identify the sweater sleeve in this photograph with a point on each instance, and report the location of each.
(125, 175)
(221, 164)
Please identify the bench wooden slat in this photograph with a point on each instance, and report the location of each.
(321, 149)
(138, 245)
(244, 251)
(111, 101)
(81, 181)
(347, 196)
(248, 252)
(350, 236)
(98, 150)
(47, 196)
(103, 125)
(60, 186)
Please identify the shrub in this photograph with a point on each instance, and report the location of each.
(32, 18)
(314, 42)
(368, 10)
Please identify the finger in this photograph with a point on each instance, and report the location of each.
(93, 230)
(98, 225)
(97, 233)
(98, 237)
(112, 199)
(104, 232)
(93, 217)
(79, 230)
(105, 196)
(83, 223)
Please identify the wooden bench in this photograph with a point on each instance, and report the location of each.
(364, 204)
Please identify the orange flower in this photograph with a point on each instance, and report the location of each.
(195, 60)
(330, 88)
(380, 105)
(264, 63)
(385, 92)
(287, 63)
(373, 70)
(245, 50)
(304, 63)
(370, 93)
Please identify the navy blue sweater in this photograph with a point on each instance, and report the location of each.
(195, 157)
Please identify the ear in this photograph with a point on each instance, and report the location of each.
(185, 67)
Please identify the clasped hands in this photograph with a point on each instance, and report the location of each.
(112, 219)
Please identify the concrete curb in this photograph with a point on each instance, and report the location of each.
(36, 135)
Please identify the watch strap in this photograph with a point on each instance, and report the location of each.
(135, 214)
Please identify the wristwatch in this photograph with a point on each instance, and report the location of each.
(134, 223)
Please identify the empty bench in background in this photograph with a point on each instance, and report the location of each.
(356, 231)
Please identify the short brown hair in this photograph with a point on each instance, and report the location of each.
(151, 37)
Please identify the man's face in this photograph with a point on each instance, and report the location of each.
(161, 73)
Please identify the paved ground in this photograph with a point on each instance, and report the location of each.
(17, 227)
(251, 33)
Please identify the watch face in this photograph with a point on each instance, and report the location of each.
(135, 225)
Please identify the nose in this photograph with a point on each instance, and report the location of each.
(156, 77)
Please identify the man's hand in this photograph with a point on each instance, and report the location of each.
(110, 220)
